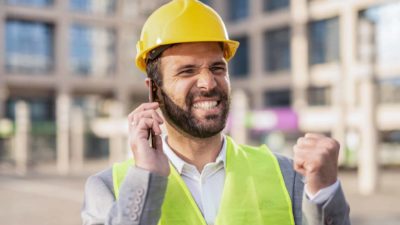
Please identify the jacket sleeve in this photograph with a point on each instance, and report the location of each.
(334, 211)
(140, 199)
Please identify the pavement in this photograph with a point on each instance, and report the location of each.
(44, 198)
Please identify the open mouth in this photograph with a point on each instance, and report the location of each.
(206, 105)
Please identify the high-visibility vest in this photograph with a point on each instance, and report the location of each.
(254, 191)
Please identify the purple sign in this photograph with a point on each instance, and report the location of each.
(284, 119)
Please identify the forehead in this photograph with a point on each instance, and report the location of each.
(193, 53)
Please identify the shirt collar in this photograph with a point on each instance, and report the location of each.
(179, 163)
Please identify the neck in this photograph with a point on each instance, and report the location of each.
(196, 151)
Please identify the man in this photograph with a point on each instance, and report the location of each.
(195, 174)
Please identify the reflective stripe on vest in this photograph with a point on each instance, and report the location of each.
(254, 191)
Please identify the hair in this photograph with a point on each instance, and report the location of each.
(153, 70)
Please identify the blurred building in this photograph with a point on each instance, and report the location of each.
(321, 65)
(63, 55)
(334, 64)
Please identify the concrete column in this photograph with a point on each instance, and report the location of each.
(343, 85)
(256, 54)
(22, 137)
(63, 120)
(368, 165)
(117, 143)
(77, 139)
(238, 113)
(299, 52)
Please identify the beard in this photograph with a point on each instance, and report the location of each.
(187, 122)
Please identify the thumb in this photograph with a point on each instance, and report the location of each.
(159, 143)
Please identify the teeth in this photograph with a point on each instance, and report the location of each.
(205, 105)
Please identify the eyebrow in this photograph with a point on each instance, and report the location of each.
(193, 66)
(219, 63)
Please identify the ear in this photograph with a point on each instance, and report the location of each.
(147, 82)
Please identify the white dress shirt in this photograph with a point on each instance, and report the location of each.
(206, 186)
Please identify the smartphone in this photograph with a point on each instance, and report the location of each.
(152, 93)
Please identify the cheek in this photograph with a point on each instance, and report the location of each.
(224, 84)
(178, 91)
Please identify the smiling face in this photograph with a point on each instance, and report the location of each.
(195, 88)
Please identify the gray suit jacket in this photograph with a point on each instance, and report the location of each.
(142, 194)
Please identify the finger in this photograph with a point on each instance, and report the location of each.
(298, 165)
(159, 145)
(314, 135)
(147, 114)
(156, 128)
(144, 125)
(329, 143)
(307, 141)
(146, 106)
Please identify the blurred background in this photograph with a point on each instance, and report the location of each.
(68, 80)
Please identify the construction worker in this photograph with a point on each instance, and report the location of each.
(194, 174)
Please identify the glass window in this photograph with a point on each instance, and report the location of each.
(93, 6)
(29, 47)
(239, 65)
(278, 98)
(238, 9)
(92, 50)
(385, 25)
(207, 2)
(30, 2)
(324, 41)
(41, 109)
(277, 44)
(271, 5)
(389, 90)
(319, 96)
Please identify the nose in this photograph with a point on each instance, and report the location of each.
(206, 80)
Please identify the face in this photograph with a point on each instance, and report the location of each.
(196, 89)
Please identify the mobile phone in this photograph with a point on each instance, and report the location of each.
(152, 93)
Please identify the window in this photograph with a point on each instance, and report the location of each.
(29, 47)
(389, 90)
(271, 5)
(30, 2)
(93, 6)
(385, 25)
(41, 109)
(278, 98)
(239, 65)
(277, 49)
(324, 41)
(238, 9)
(92, 50)
(319, 96)
(207, 2)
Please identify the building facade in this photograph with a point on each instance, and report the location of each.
(332, 63)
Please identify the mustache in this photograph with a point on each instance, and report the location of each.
(218, 93)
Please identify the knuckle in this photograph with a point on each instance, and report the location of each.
(300, 140)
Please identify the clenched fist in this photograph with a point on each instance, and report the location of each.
(141, 120)
(316, 158)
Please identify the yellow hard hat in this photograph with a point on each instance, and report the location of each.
(182, 21)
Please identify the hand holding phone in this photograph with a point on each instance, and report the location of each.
(144, 124)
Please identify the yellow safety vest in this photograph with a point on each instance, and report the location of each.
(254, 191)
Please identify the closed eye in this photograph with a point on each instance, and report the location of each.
(218, 70)
(187, 72)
